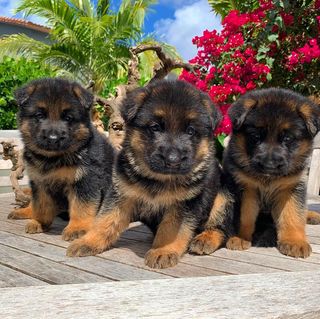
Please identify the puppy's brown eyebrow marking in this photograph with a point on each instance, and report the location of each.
(291, 104)
(41, 104)
(284, 125)
(306, 110)
(249, 103)
(65, 106)
(191, 115)
(160, 112)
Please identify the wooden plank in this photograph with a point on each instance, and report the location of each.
(110, 269)
(316, 141)
(248, 296)
(5, 181)
(114, 270)
(126, 255)
(12, 278)
(313, 185)
(313, 230)
(212, 263)
(276, 262)
(5, 164)
(44, 269)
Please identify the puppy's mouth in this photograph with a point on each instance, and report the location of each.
(165, 169)
(275, 171)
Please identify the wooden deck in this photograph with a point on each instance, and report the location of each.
(39, 260)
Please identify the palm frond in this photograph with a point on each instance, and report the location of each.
(20, 45)
(102, 8)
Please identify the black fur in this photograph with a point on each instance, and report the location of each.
(59, 110)
(277, 140)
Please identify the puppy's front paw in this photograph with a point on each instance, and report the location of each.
(161, 258)
(237, 243)
(81, 248)
(20, 213)
(206, 243)
(34, 227)
(70, 234)
(296, 249)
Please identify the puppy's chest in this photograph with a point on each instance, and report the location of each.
(67, 175)
(156, 195)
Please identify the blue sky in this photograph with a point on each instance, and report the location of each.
(173, 21)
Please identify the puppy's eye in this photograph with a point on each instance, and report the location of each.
(68, 118)
(287, 138)
(39, 115)
(155, 127)
(190, 130)
(255, 135)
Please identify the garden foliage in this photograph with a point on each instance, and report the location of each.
(14, 73)
(276, 44)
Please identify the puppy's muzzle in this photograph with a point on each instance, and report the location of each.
(53, 138)
(270, 162)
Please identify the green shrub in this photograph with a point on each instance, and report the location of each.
(14, 73)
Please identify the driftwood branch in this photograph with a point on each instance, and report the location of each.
(22, 196)
(166, 64)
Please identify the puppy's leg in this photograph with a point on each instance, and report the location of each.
(290, 221)
(82, 215)
(105, 230)
(21, 213)
(43, 212)
(171, 241)
(212, 237)
(248, 215)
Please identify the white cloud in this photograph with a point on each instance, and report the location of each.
(189, 21)
(7, 10)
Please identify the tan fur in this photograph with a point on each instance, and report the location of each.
(203, 149)
(105, 230)
(249, 103)
(21, 213)
(218, 209)
(207, 242)
(290, 224)
(249, 213)
(166, 197)
(81, 217)
(237, 243)
(313, 218)
(43, 212)
(170, 243)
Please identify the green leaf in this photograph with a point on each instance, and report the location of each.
(273, 37)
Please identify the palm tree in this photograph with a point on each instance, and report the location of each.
(223, 7)
(90, 42)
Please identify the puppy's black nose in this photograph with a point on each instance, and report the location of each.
(173, 159)
(53, 138)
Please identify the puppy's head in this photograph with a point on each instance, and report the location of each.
(169, 127)
(273, 131)
(54, 116)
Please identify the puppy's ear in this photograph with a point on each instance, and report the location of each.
(310, 112)
(239, 110)
(83, 95)
(214, 112)
(23, 94)
(133, 102)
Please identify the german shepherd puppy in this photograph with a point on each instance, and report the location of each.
(166, 174)
(265, 164)
(68, 162)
